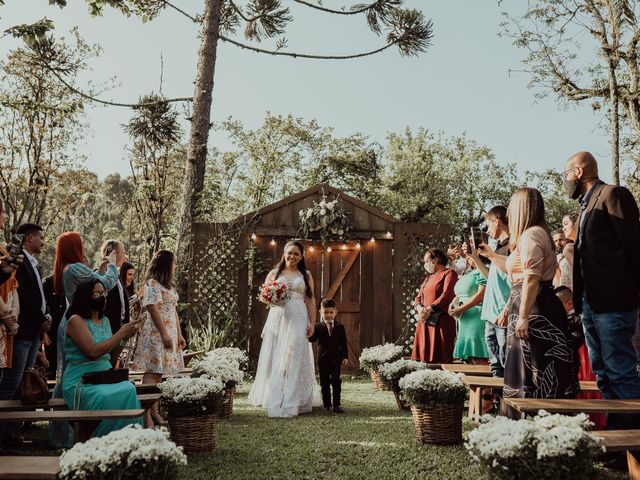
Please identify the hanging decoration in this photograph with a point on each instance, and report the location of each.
(326, 220)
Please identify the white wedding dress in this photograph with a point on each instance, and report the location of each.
(285, 381)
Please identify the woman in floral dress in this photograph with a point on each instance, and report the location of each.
(160, 343)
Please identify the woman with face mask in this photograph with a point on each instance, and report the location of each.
(88, 342)
(436, 329)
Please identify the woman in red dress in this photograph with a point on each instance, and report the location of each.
(436, 330)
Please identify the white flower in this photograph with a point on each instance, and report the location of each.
(231, 353)
(323, 211)
(149, 450)
(340, 232)
(322, 203)
(186, 389)
(372, 357)
(218, 366)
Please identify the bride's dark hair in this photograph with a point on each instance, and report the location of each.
(302, 267)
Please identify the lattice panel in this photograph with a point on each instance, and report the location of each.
(214, 283)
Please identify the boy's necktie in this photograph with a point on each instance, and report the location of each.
(330, 328)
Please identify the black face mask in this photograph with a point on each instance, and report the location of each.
(98, 304)
(572, 188)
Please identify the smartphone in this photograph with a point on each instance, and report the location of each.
(15, 247)
(109, 250)
(476, 238)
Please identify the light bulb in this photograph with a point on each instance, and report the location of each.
(328, 249)
(253, 236)
(272, 242)
(312, 248)
(388, 234)
(373, 240)
(344, 246)
(358, 246)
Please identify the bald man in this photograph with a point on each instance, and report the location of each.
(606, 280)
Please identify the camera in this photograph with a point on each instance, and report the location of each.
(15, 247)
(477, 237)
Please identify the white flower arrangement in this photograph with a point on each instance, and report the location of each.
(325, 219)
(220, 367)
(391, 373)
(231, 353)
(130, 453)
(548, 447)
(190, 397)
(432, 387)
(371, 358)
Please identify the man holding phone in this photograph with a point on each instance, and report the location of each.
(33, 319)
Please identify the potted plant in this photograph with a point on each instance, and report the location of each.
(130, 453)
(391, 373)
(549, 447)
(191, 405)
(437, 401)
(225, 367)
(371, 358)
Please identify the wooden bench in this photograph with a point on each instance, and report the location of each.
(477, 370)
(187, 357)
(146, 399)
(83, 419)
(623, 441)
(577, 405)
(476, 384)
(39, 468)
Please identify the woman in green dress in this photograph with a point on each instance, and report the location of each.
(88, 341)
(470, 344)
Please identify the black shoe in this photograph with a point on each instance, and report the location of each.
(328, 409)
(338, 409)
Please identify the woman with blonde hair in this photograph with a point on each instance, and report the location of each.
(539, 361)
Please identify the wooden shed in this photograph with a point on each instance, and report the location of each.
(366, 274)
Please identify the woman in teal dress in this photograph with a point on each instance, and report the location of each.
(88, 341)
(470, 344)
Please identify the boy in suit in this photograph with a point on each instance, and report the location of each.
(332, 351)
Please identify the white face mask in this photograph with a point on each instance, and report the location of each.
(460, 266)
(429, 267)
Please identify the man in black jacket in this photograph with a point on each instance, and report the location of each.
(332, 351)
(33, 320)
(606, 280)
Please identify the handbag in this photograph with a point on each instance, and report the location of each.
(433, 317)
(33, 387)
(113, 375)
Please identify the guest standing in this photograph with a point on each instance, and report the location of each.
(10, 304)
(128, 278)
(539, 363)
(470, 290)
(88, 341)
(117, 308)
(606, 278)
(33, 320)
(436, 329)
(160, 342)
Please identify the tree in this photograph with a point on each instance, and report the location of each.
(263, 19)
(40, 124)
(606, 69)
(431, 178)
(157, 165)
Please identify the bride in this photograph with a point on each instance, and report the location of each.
(285, 381)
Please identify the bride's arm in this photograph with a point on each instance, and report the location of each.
(311, 302)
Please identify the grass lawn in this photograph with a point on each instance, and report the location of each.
(372, 440)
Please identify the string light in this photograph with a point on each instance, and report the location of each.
(253, 236)
(373, 240)
(272, 242)
(329, 249)
(358, 246)
(388, 234)
(344, 246)
(312, 248)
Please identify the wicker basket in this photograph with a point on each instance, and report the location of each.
(438, 424)
(226, 408)
(402, 404)
(194, 434)
(378, 384)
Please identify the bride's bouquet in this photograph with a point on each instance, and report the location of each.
(274, 293)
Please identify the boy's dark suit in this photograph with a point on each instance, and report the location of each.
(332, 349)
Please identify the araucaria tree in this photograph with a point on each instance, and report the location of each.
(586, 50)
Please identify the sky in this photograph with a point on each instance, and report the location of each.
(461, 84)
